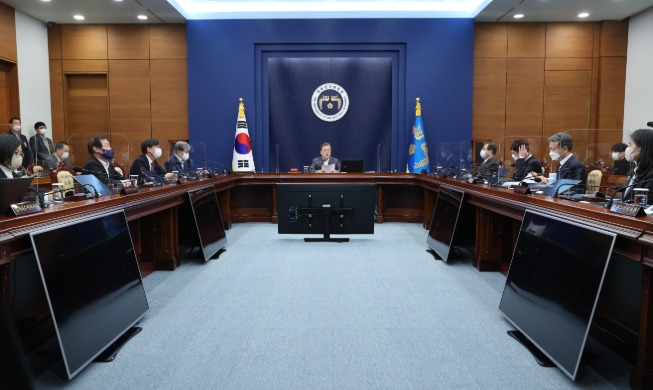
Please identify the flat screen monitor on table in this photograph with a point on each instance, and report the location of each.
(445, 219)
(93, 285)
(208, 220)
(553, 285)
(93, 184)
(12, 191)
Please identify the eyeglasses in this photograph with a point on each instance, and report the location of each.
(18, 154)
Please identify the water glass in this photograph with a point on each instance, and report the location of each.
(57, 192)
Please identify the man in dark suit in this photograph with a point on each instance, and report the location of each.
(147, 161)
(60, 155)
(489, 167)
(526, 162)
(180, 158)
(40, 145)
(14, 122)
(100, 163)
(569, 167)
(317, 166)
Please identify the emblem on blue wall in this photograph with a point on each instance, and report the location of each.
(330, 102)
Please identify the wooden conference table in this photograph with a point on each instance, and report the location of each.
(153, 216)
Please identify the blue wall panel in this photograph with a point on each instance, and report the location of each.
(222, 60)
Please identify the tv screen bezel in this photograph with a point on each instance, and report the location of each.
(208, 250)
(441, 248)
(69, 373)
(571, 375)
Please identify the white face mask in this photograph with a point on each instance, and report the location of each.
(43, 131)
(615, 155)
(483, 153)
(64, 155)
(630, 154)
(16, 128)
(185, 156)
(555, 156)
(16, 162)
(157, 152)
(515, 157)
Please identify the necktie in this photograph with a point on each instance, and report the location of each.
(152, 166)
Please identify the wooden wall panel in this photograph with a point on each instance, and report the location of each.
(5, 113)
(489, 104)
(128, 42)
(54, 42)
(526, 40)
(490, 40)
(83, 42)
(567, 82)
(613, 84)
(569, 39)
(129, 103)
(614, 38)
(57, 101)
(169, 100)
(524, 97)
(85, 66)
(8, 48)
(167, 41)
(583, 63)
(565, 112)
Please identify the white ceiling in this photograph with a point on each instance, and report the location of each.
(162, 11)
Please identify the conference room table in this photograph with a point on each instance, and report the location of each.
(154, 220)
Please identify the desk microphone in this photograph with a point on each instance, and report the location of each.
(84, 170)
(650, 124)
(623, 188)
(225, 169)
(39, 197)
(498, 183)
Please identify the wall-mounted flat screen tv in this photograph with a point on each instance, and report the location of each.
(93, 285)
(444, 221)
(208, 220)
(553, 285)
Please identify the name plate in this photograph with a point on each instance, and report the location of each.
(522, 190)
(633, 210)
(128, 190)
(23, 208)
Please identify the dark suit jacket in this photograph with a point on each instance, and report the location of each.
(628, 193)
(94, 166)
(526, 166)
(52, 160)
(173, 164)
(27, 155)
(317, 163)
(488, 168)
(621, 167)
(573, 169)
(142, 162)
(38, 146)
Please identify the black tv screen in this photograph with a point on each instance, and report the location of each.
(93, 285)
(444, 221)
(294, 199)
(553, 285)
(208, 220)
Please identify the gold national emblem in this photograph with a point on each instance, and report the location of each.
(330, 102)
(411, 149)
(418, 133)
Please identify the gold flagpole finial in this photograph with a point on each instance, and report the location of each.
(418, 107)
(241, 108)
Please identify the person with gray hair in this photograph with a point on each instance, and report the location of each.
(180, 158)
(569, 167)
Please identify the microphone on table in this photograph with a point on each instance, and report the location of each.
(623, 188)
(225, 169)
(498, 183)
(92, 172)
(650, 124)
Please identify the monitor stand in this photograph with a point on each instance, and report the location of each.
(109, 354)
(434, 254)
(217, 254)
(540, 357)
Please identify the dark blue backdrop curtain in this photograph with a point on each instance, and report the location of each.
(298, 132)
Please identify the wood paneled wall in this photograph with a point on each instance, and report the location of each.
(9, 102)
(126, 81)
(535, 79)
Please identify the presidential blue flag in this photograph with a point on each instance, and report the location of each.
(418, 152)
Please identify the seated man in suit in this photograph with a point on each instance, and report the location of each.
(40, 145)
(526, 162)
(60, 156)
(490, 166)
(147, 161)
(100, 163)
(569, 167)
(324, 159)
(179, 161)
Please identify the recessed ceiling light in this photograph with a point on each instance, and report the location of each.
(518, 16)
(142, 17)
(45, 0)
(583, 14)
(78, 17)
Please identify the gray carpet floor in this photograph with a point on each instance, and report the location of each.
(274, 312)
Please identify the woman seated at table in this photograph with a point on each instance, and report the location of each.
(11, 157)
(640, 151)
